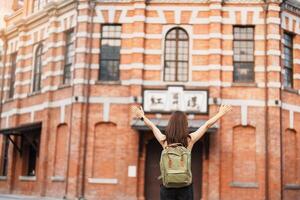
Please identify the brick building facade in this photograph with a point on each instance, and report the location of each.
(70, 71)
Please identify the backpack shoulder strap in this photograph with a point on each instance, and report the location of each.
(174, 145)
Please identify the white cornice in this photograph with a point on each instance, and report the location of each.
(41, 15)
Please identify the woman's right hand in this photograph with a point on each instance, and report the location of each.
(138, 111)
(224, 109)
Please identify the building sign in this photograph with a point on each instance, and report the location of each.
(176, 98)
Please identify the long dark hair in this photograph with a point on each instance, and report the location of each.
(177, 129)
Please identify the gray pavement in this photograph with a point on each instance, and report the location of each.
(20, 197)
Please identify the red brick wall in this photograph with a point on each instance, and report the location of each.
(240, 163)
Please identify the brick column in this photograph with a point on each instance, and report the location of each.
(215, 62)
(273, 87)
(78, 107)
(137, 60)
(47, 82)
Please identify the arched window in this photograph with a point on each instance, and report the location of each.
(37, 73)
(176, 55)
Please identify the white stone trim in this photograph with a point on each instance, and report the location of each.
(24, 82)
(273, 20)
(87, 35)
(62, 114)
(244, 115)
(259, 53)
(103, 180)
(27, 178)
(273, 68)
(211, 67)
(243, 102)
(23, 69)
(259, 37)
(131, 66)
(48, 74)
(106, 111)
(153, 67)
(261, 84)
(85, 65)
(296, 76)
(273, 37)
(215, 6)
(274, 84)
(87, 50)
(57, 178)
(274, 8)
(203, 52)
(272, 103)
(296, 46)
(24, 57)
(53, 59)
(273, 52)
(259, 68)
(132, 82)
(291, 119)
(296, 61)
(290, 107)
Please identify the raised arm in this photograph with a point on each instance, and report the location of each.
(195, 136)
(139, 113)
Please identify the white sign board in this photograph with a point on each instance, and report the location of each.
(176, 98)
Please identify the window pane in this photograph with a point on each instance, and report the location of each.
(182, 34)
(110, 49)
(110, 52)
(170, 68)
(176, 50)
(109, 70)
(288, 77)
(243, 72)
(38, 69)
(243, 33)
(288, 60)
(69, 59)
(243, 49)
(171, 34)
(12, 75)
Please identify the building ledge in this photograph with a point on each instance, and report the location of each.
(291, 186)
(3, 178)
(236, 84)
(162, 124)
(27, 178)
(103, 180)
(237, 184)
(99, 82)
(291, 90)
(57, 178)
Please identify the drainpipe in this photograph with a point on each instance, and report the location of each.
(280, 114)
(85, 138)
(266, 7)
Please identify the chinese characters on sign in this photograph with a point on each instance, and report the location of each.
(175, 98)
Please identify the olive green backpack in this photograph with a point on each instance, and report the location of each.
(175, 166)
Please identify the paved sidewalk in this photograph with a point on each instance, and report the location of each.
(19, 197)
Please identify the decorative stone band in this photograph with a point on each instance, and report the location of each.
(244, 184)
(27, 178)
(57, 178)
(291, 186)
(103, 180)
